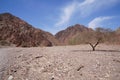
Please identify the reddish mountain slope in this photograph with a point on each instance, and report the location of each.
(65, 36)
(18, 32)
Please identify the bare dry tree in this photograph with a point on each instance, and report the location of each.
(94, 45)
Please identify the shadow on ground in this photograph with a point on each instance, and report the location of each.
(95, 51)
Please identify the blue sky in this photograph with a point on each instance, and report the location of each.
(56, 15)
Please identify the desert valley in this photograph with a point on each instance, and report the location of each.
(28, 53)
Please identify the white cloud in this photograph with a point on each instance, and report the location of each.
(66, 14)
(84, 8)
(90, 6)
(97, 22)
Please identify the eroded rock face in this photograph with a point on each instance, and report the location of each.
(20, 33)
(65, 35)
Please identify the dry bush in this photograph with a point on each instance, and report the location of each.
(4, 43)
(107, 36)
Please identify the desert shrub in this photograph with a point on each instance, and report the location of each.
(4, 43)
(24, 44)
(106, 35)
(103, 35)
(72, 41)
(83, 38)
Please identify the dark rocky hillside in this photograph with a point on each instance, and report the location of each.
(66, 36)
(79, 34)
(20, 33)
(14, 31)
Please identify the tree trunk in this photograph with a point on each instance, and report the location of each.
(94, 46)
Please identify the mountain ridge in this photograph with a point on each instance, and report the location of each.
(20, 33)
(65, 35)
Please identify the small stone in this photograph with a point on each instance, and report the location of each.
(52, 78)
(80, 68)
(38, 57)
(81, 74)
(10, 77)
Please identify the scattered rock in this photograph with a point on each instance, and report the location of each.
(52, 78)
(38, 57)
(10, 77)
(116, 60)
(81, 74)
(80, 68)
(14, 71)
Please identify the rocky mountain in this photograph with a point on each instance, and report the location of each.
(72, 33)
(20, 33)
(79, 34)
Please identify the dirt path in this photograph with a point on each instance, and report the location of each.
(3, 60)
(64, 63)
(7, 58)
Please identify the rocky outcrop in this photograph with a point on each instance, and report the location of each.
(65, 36)
(18, 32)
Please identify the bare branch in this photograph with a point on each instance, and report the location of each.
(93, 46)
(96, 44)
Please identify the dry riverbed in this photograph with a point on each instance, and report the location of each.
(60, 63)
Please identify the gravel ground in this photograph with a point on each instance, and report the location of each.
(60, 63)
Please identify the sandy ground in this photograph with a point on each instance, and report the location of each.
(60, 63)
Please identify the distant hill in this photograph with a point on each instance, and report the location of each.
(72, 34)
(17, 32)
(79, 34)
(20, 33)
